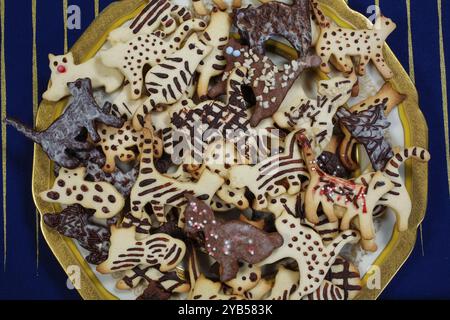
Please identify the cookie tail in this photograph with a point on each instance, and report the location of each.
(349, 236)
(27, 132)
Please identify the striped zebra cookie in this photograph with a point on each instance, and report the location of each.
(157, 250)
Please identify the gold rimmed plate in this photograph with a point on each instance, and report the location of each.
(408, 123)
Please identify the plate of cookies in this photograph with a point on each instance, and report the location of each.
(230, 150)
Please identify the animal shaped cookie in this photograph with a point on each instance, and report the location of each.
(158, 250)
(168, 81)
(369, 128)
(256, 24)
(342, 43)
(160, 190)
(155, 14)
(388, 98)
(269, 83)
(59, 140)
(146, 49)
(357, 200)
(74, 222)
(304, 245)
(216, 36)
(266, 177)
(70, 187)
(64, 70)
(170, 281)
(315, 116)
(205, 289)
(228, 242)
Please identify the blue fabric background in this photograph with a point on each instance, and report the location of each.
(23, 276)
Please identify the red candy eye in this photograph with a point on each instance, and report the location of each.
(61, 69)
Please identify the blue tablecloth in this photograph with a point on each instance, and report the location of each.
(29, 270)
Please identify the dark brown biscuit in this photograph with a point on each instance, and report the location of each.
(154, 291)
(73, 222)
(228, 242)
(59, 141)
(257, 24)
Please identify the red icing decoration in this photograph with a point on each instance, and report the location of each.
(61, 69)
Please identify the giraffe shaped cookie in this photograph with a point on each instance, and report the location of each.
(344, 43)
(155, 14)
(265, 178)
(304, 245)
(146, 49)
(70, 187)
(169, 81)
(64, 70)
(160, 190)
(158, 250)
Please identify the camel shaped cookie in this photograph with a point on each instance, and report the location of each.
(70, 187)
(228, 242)
(64, 70)
(315, 116)
(304, 245)
(344, 43)
(266, 177)
(269, 83)
(58, 141)
(155, 14)
(157, 250)
(257, 24)
(169, 81)
(357, 200)
(160, 190)
(147, 49)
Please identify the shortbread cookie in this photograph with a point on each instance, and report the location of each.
(170, 281)
(168, 81)
(155, 14)
(158, 250)
(388, 97)
(397, 198)
(228, 242)
(260, 291)
(216, 36)
(346, 276)
(326, 291)
(305, 246)
(246, 279)
(74, 222)
(269, 83)
(64, 70)
(70, 187)
(367, 45)
(264, 178)
(146, 49)
(159, 190)
(117, 142)
(58, 141)
(358, 200)
(256, 24)
(205, 289)
(315, 116)
(285, 284)
(123, 106)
